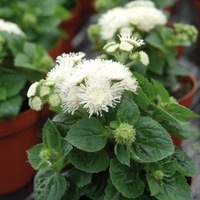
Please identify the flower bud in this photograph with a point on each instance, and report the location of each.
(125, 46)
(35, 103)
(29, 19)
(33, 89)
(144, 58)
(125, 134)
(44, 90)
(111, 47)
(45, 154)
(158, 174)
(54, 100)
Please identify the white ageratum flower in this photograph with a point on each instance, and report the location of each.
(144, 3)
(59, 73)
(94, 85)
(111, 21)
(144, 58)
(146, 18)
(32, 89)
(131, 40)
(74, 57)
(10, 27)
(126, 31)
(70, 99)
(97, 95)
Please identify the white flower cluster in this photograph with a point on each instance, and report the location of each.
(92, 84)
(10, 27)
(140, 14)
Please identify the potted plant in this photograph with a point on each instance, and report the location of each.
(22, 63)
(40, 20)
(102, 5)
(110, 135)
(163, 41)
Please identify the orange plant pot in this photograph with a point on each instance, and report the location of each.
(187, 99)
(16, 137)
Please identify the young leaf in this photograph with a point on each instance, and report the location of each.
(87, 134)
(34, 158)
(111, 193)
(123, 154)
(125, 180)
(152, 142)
(89, 162)
(49, 185)
(128, 112)
(186, 165)
(51, 136)
(79, 177)
(175, 188)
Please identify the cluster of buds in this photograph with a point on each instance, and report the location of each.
(42, 92)
(185, 33)
(125, 48)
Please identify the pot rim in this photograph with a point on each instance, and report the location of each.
(194, 82)
(21, 122)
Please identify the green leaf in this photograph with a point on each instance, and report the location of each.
(128, 111)
(13, 83)
(79, 177)
(89, 162)
(154, 40)
(51, 137)
(125, 180)
(123, 154)
(175, 188)
(34, 158)
(62, 159)
(3, 94)
(152, 142)
(88, 135)
(49, 185)
(154, 185)
(182, 130)
(10, 108)
(112, 194)
(186, 165)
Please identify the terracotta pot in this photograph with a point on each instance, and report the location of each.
(187, 99)
(88, 7)
(16, 137)
(56, 50)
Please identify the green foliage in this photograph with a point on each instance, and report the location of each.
(39, 20)
(22, 63)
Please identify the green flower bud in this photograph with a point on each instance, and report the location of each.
(125, 134)
(45, 154)
(144, 58)
(158, 175)
(29, 19)
(33, 89)
(54, 100)
(125, 46)
(111, 47)
(44, 90)
(35, 103)
(45, 62)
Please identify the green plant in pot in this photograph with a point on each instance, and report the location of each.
(142, 19)
(102, 5)
(40, 20)
(110, 135)
(21, 63)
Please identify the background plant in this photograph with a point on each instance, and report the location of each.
(109, 140)
(40, 20)
(22, 63)
(161, 38)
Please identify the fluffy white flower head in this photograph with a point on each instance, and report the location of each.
(94, 85)
(74, 57)
(146, 18)
(111, 21)
(10, 27)
(131, 40)
(137, 3)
